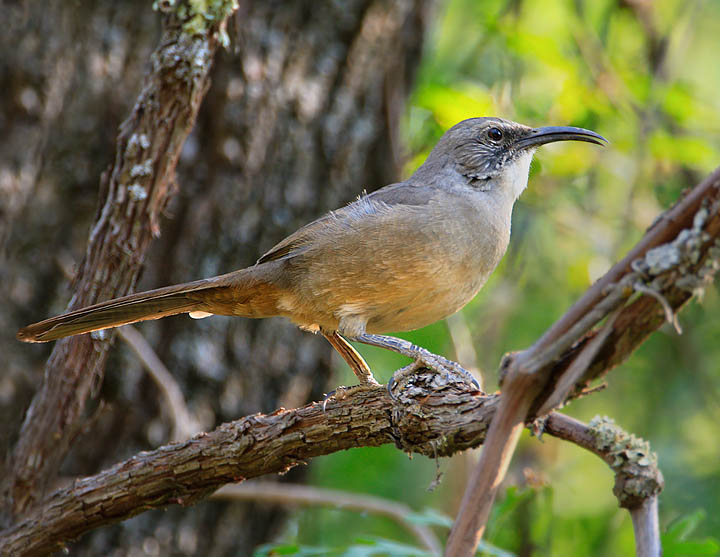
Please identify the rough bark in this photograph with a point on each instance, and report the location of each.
(183, 473)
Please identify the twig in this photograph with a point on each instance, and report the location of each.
(288, 494)
(578, 367)
(183, 424)
(638, 480)
(538, 357)
(646, 528)
(669, 314)
(564, 427)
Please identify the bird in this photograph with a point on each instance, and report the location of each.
(400, 258)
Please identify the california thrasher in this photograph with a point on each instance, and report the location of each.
(400, 258)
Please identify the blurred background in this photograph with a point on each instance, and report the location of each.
(313, 103)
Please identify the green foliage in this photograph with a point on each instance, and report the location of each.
(675, 541)
(645, 75)
(522, 521)
(372, 547)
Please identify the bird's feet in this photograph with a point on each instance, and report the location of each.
(451, 372)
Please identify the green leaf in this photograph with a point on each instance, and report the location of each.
(450, 105)
(675, 541)
(380, 547)
(430, 517)
(486, 549)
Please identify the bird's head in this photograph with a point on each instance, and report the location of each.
(493, 151)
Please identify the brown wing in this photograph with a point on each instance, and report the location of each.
(363, 206)
(297, 242)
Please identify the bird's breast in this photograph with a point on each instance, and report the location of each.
(449, 265)
(416, 267)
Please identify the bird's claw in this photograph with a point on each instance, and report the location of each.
(451, 371)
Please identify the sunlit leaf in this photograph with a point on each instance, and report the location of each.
(451, 105)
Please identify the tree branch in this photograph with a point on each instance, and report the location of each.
(183, 423)
(431, 422)
(647, 528)
(638, 480)
(134, 192)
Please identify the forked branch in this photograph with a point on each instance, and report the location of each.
(678, 256)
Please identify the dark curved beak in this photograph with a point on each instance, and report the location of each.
(550, 134)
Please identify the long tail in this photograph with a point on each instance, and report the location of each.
(238, 293)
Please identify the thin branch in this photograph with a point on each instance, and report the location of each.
(288, 494)
(578, 367)
(183, 424)
(669, 314)
(638, 481)
(569, 429)
(489, 472)
(462, 343)
(647, 529)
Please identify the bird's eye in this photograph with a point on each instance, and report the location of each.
(494, 134)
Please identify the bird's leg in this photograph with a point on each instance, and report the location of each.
(356, 363)
(420, 355)
(351, 356)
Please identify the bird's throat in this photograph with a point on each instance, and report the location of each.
(515, 177)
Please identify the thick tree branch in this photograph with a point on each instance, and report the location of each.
(135, 190)
(432, 422)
